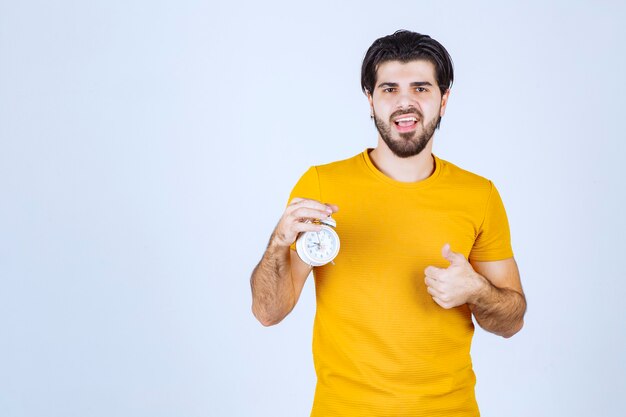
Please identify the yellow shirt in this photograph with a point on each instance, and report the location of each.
(381, 345)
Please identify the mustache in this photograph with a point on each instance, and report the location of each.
(408, 110)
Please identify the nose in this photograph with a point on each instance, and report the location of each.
(405, 99)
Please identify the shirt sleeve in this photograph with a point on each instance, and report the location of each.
(493, 242)
(306, 187)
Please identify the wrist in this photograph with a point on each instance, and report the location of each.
(481, 290)
(278, 241)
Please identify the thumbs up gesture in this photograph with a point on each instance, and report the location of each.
(455, 285)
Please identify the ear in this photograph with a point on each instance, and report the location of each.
(370, 99)
(444, 102)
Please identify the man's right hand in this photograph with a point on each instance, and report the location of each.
(278, 279)
(298, 217)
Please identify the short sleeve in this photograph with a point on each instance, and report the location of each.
(306, 187)
(493, 242)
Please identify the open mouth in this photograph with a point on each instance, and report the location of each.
(405, 123)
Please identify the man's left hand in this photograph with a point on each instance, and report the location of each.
(455, 285)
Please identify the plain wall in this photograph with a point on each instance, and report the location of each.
(147, 149)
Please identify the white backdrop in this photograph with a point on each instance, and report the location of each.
(147, 149)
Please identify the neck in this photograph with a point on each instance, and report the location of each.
(413, 169)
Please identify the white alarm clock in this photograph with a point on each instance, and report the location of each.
(319, 248)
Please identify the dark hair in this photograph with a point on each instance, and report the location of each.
(405, 46)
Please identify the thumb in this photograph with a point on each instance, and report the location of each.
(454, 258)
(333, 207)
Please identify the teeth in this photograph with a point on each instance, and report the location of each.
(406, 119)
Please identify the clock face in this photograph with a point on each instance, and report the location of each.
(318, 248)
(321, 246)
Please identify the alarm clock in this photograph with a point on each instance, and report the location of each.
(319, 248)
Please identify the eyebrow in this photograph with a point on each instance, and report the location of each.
(413, 84)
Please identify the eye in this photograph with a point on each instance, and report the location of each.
(389, 90)
(421, 89)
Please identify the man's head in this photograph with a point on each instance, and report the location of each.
(405, 46)
(407, 77)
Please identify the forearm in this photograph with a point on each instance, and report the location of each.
(499, 310)
(276, 286)
(272, 287)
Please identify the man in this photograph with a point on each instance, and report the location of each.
(424, 245)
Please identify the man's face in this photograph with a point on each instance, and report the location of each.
(406, 104)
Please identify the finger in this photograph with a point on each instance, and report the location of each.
(433, 271)
(430, 282)
(286, 233)
(333, 207)
(313, 204)
(442, 303)
(305, 227)
(445, 251)
(454, 258)
(307, 213)
(295, 200)
(434, 292)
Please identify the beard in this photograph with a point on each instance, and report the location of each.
(410, 143)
